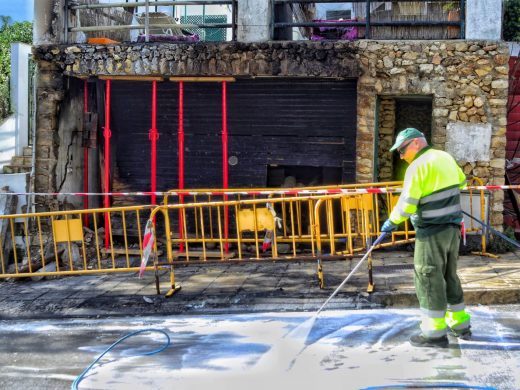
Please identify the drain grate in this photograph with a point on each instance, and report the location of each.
(387, 269)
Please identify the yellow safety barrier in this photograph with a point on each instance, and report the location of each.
(481, 207)
(349, 221)
(56, 243)
(267, 227)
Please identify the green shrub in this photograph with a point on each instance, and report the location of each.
(497, 244)
(511, 26)
(9, 33)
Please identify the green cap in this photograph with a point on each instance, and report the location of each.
(404, 135)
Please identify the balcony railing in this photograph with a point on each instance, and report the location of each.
(371, 19)
(160, 20)
(157, 21)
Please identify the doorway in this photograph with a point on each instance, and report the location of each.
(411, 112)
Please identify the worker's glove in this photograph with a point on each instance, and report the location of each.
(389, 226)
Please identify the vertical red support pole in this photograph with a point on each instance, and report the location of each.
(181, 161)
(154, 136)
(225, 178)
(107, 134)
(85, 154)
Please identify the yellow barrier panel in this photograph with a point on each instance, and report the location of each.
(68, 230)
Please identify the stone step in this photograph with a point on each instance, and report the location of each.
(21, 161)
(17, 161)
(27, 151)
(17, 168)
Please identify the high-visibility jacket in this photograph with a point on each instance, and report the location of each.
(431, 192)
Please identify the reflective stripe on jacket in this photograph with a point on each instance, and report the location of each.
(431, 191)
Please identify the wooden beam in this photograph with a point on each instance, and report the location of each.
(203, 79)
(131, 78)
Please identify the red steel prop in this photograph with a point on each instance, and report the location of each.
(85, 155)
(181, 159)
(107, 133)
(154, 136)
(225, 181)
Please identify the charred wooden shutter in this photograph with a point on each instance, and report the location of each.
(297, 122)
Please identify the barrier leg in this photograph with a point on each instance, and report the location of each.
(157, 284)
(371, 286)
(321, 280)
(173, 287)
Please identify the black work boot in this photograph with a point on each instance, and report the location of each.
(420, 340)
(464, 334)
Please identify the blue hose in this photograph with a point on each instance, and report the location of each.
(76, 382)
(429, 386)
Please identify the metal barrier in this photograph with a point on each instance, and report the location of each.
(290, 215)
(56, 243)
(308, 225)
(481, 207)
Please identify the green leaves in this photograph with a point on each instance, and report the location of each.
(9, 33)
(511, 26)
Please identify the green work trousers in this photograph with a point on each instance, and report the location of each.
(435, 263)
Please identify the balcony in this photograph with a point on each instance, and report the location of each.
(109, 21)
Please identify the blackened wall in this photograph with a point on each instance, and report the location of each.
(294, 122)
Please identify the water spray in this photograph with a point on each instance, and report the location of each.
(376, 242)
(302, 331)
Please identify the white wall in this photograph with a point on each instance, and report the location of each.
(514, 48)
(14, 131)
(254, 18)
(20, 53)
(7, 140)
(17, 182)
(484, 19)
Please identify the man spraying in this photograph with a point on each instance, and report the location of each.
(431, 198)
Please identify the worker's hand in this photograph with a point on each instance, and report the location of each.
(389, 226)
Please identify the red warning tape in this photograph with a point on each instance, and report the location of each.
(331, 191)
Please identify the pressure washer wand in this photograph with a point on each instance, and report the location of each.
(379, 239)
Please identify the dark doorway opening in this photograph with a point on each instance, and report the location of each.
(288, 176)
(411, 112)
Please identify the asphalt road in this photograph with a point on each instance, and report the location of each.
(338, 350)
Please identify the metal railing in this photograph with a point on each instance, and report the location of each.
(299, 216)
(370, 19)
(363, 25)
(74, 8)
(283, 227)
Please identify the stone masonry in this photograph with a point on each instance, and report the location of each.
(467, 81)
(50, 93)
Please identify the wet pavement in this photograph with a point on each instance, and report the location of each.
(347, 349)
(253, 287)
(232, 327)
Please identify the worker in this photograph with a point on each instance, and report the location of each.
(431, 198)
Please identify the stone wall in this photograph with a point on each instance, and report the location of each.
(49, 95)
(466, 80)
(291, 59)
(386, 138)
